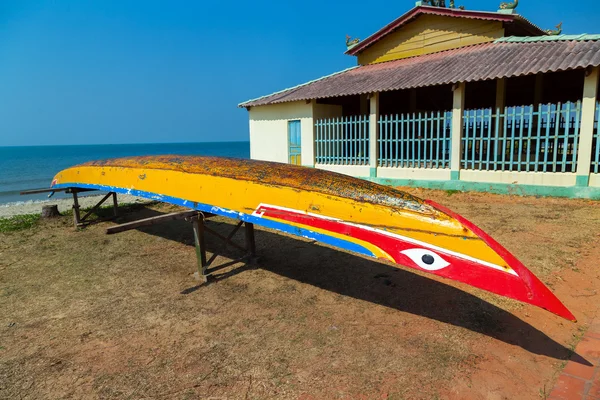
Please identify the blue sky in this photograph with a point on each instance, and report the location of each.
(85, 72)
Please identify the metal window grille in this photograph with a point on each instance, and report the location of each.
(415, 140)
(522, 138)
(342, 140)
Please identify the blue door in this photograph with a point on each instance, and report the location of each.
(294, 143)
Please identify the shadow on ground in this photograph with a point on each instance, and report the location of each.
(364, 279)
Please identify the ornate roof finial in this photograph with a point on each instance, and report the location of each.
(556, 31)
(509, 6)
(351, 42)
(438, 3)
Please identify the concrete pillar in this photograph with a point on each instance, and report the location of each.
(458, 107)
(308, 138)
(586, 133)
(373, 134)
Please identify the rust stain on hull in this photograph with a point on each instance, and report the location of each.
(278, 174)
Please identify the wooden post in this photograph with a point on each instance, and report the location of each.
(93, 209)
(250, 243)
(198, 226)
(586, 132)
(75, 208)
(373, 134)
(458, 107)
(115, 204)
(187, 215)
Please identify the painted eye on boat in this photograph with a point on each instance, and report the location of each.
(426, 259)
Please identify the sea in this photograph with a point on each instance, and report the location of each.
(33, 167)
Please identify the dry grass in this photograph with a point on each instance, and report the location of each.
(90, 315)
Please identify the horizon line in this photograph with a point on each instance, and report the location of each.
(121, 144)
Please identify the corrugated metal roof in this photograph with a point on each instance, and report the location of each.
(466, 64)
(547, 38)
(449, 12)
(302, 84)
(527, 23)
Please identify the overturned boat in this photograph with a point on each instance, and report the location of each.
(342, 211)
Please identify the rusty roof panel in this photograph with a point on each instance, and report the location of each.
(466, 64)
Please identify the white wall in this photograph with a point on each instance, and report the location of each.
(269, 131)
(520, 178)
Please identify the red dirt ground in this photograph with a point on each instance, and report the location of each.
(96, 316)
(506, 371)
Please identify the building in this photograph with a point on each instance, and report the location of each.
(452, 99)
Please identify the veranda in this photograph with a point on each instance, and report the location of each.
(538, 129)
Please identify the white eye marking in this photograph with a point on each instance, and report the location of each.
(426, 259)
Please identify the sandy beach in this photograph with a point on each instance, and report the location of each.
(35, 206)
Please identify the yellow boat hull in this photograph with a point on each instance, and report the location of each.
(346, 212)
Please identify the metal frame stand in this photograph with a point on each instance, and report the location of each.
(199, 240)
(83, 221)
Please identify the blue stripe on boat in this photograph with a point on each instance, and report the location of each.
(280, 226)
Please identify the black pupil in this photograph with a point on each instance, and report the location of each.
(427, 259)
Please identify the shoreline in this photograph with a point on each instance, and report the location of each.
(35, 206)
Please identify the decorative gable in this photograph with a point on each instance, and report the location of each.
(429, 29)
(430, 34)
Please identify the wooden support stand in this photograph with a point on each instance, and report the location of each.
(195, 217)
(82, 221)
(150, 221)
(44, 190)
(199, 231)
(77, 219)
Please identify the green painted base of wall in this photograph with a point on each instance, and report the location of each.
(309, 166)
(454, 175)
(372, 172)
(580, 192)
(582, 180)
